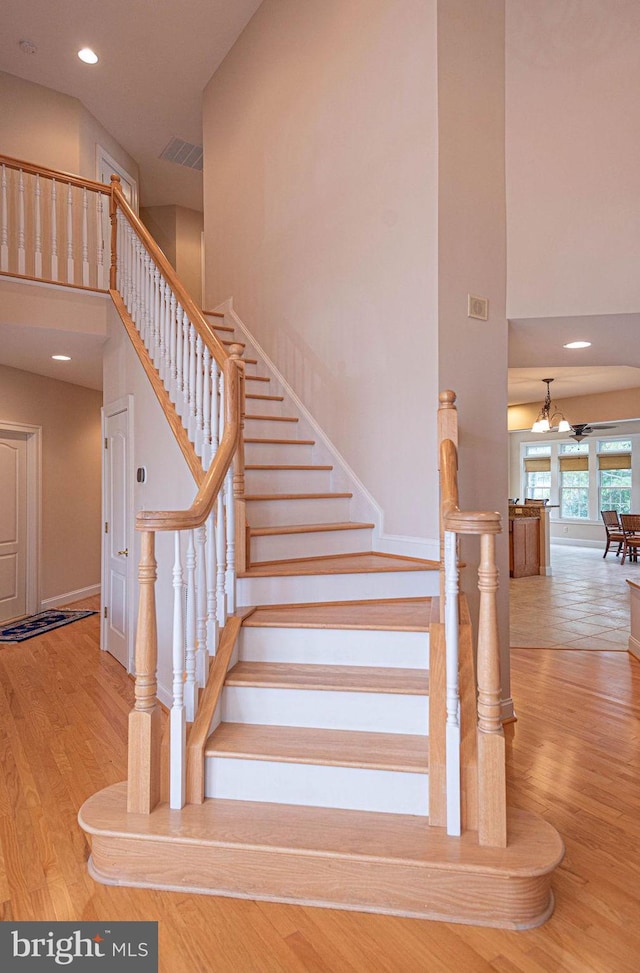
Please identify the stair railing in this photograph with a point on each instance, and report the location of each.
(59, 228)
(491, 775)
(53, 226)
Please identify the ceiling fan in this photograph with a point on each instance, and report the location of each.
(582, 429)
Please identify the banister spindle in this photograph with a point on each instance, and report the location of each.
(190, 652)
(99, 240)
(85, 237)
(198, 436)
(4, 223)
(202, 653)
(452, 627)
(212, 615)
(206, 408)
(143, 792)
(221, 597)
(54, 230)
(113, 213)
(21, 237)
(37, 218)
(70, 260)
(172, 326)
(492, 823)
(178, 725)
(191, 427)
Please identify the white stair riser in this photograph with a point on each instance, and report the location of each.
(314, 785)
(281, 454)
(265, 407)
(338, 646)
(320, 543)
(336, 587)
(270, 428)
(287, 481)
(326, 709)
(284, 513)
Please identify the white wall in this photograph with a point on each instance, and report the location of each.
(320, 188)
(573, 157)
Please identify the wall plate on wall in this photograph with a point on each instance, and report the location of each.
(478, 307)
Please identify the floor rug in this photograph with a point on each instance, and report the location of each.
(38, 624)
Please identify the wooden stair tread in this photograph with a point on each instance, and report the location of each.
(534, 846)
(403, 614)
(403, 752)
(298, 496)
(361, 563)
(306, 529)
(359, 679)
(280, 442)
(272, 418)
(286, 466)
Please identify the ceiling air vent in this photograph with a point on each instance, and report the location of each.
(183, 154)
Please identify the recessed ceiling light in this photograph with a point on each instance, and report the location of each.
(88, 56)
(61, 357)
(578, 344)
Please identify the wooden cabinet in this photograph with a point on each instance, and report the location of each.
(524, 547)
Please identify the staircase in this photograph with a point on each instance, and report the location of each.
(334, 736)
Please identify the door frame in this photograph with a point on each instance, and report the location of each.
(33, 436)
(124, 404)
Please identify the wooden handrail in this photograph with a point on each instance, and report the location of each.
(212, 483)
(454, 519)
(57, 174)
(187, 303)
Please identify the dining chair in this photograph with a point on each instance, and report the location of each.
(631, 531)
(613, 527)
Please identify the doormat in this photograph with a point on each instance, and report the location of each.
(38, 624)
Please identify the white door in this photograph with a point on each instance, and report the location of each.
(13, 526)
(116, 537)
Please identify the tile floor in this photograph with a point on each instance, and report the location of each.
(583, 605)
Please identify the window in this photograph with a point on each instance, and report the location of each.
(574, 482)
(537, 467)
(614, 475)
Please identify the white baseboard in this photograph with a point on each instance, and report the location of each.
(576, 542)
(409, 546)
(70, 596)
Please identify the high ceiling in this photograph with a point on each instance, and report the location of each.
(155, 60)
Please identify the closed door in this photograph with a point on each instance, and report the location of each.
(13, 526)
(116, 527)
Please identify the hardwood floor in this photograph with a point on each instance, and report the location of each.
(574, 756)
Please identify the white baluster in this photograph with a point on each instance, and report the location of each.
(172, 323)
(54, 230)
(202, 654)
(177, 311)
(21, 248)
(37, 242)
(206, 408)
(221, 597)
(216, 392)
(451, 624)
(178, 729)
(212, 617)
(191, 428)
(198, 436)
(4, 224)
(230, 574)
(162, 323)
(100, 242)
(185, 370)
(150, 309)
(190, 682)
(70, 267)
(85, 237)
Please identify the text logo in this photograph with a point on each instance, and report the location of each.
(35, 947)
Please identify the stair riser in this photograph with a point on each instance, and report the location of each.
(287, 481)
(321, 543)
(326, 709)
(347, 647)
(283, 513)
(271, 428)
(338, 587)
(266, 407)
(280, 454)
(314, 785)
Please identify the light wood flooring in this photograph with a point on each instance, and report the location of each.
(574, 757)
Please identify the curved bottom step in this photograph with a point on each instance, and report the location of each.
(363, 861)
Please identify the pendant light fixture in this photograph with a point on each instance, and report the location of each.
(548, 420)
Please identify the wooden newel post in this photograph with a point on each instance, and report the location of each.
(113, 215)
(242, 544)
(144, 720)
(492, 792)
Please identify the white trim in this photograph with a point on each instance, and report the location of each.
(368, 508)
(123, 404)
(71, 596)
(103, 156)
(54, 285)
(409, 546)
(33, 435)
(576, 542)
